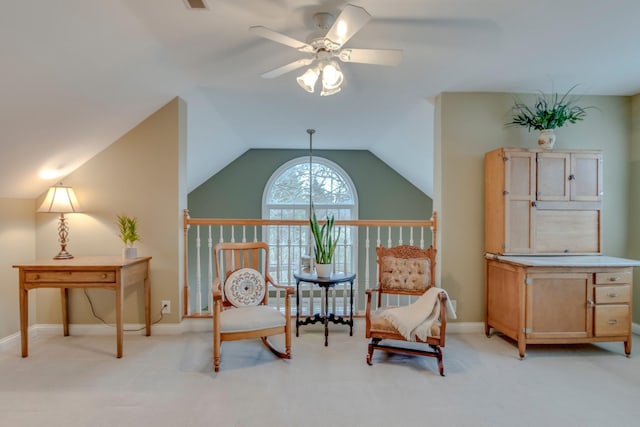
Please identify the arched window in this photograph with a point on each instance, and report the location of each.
(288, 195)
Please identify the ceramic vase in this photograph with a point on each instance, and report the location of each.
(547, 139)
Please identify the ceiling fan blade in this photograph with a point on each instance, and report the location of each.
(350, 21)
(281, 38)
(371, 56)
(287, 68)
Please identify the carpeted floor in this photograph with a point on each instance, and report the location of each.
(167, 380)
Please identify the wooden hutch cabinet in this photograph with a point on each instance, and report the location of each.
(550, 203)
(543, 202)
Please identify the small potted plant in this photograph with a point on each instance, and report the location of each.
(128, 227)
(324, 243)
(548, 113)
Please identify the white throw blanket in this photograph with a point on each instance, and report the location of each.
(415, 320)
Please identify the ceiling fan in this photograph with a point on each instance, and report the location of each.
(322, 51)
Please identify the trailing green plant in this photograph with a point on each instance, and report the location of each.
(549, 112)
(324, 241)
(128, 227)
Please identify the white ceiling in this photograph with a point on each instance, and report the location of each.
(78, 74)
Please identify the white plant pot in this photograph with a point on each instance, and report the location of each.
(324, 270)
(547, 139)
(129, 253)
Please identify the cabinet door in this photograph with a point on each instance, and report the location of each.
(569, 176)
(558, 305)
(565, 231)
(519, 193)
(553, 176)
(585, 177)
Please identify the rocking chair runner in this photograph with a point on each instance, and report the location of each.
(240, 298)
(404, 271)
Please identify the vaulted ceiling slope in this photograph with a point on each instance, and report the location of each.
(76, 75)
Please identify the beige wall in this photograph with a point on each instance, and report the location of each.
(17, 245)
(470, 124)
(142, 175)
(634, 201)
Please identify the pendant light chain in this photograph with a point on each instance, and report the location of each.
(310, 132)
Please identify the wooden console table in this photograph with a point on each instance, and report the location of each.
(113, 273)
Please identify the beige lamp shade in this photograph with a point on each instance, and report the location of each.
(60, 199)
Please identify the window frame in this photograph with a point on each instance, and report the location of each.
(320, 208)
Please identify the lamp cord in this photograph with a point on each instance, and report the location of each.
(112, 325)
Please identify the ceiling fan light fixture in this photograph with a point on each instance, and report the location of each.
(327, 92)
(325, 49)
(332, 78)
(308, 79)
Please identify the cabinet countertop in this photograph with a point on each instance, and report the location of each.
(566, 261)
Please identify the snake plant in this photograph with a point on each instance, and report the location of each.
(324, 241)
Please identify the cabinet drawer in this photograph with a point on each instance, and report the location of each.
(613, 294)
(613, 277)
(612, 320)
(70, 276)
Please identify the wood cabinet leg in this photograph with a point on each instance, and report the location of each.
(24, 320)
(627, 347)
(64, 298)
(119, 320)
(147, 304)
(522, 348)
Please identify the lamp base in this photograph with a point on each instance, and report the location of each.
(63, 254)
(63, 233)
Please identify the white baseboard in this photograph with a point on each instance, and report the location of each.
(465, 327)
(9, 341)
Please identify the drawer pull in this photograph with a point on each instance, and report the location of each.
(612, 294)
(590, 302)
(104, 276)
(612, 321)
(614, 279)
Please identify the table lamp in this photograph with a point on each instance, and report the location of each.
(61, 199)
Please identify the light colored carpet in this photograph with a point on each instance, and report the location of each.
(167, 380)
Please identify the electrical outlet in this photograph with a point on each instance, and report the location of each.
(166, 306)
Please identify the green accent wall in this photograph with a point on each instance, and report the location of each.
(236, 191)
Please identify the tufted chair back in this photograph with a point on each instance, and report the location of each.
(405, 269)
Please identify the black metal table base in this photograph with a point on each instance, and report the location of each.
(319, 318)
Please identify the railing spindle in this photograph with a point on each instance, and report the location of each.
(198, 301)
(210, 271)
